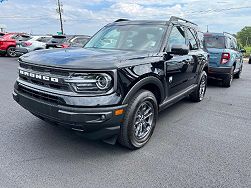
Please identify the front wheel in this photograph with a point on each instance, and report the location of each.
(199, 93)
(11, 52)
(140, 120)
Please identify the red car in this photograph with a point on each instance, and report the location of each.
(8, 43)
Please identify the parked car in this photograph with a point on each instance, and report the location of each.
(8, 43)
(249, 61)
(115, 86)
(226, 59)
(78, 40)
(57, 41)
(65, 41)
(35, 43)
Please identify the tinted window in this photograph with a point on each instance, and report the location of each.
(192, 40)
(23, 37)
(215, 42)
(233, 44)
(57, 40)
(177, 36)
(128, 37)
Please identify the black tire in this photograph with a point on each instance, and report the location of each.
(227, 81)
(238, 75)
(130, 134)
(249, 61)
(199, 93)
(11, 52)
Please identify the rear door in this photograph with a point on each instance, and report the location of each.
(236, 55)
(195, 55)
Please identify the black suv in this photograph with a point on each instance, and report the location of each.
(114, 87)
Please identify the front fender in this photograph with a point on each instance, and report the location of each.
(144, 82)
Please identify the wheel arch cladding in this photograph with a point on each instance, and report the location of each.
(149, 83)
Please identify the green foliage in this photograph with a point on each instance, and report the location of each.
(244, 36)
(248, 51)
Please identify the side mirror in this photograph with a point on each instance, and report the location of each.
(243, 51)
(179, 49)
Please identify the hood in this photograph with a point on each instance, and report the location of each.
(84, 58)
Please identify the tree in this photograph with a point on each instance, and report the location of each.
(244, 36)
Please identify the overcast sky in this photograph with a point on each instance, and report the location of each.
(87, 16)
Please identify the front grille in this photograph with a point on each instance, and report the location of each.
(56, 73)
(41, 96)
(37, 68)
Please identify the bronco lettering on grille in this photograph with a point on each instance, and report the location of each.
(38, 76)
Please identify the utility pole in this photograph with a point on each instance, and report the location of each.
(60, 10)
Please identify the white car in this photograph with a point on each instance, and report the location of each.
(35, 43)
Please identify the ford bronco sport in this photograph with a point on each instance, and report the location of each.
(114, 87)
(226, 59)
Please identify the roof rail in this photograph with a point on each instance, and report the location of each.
(121, 20)
(174, 18)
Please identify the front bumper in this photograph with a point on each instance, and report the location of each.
(92, 122)
(219, 72)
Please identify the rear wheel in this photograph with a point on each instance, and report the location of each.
(226, 82)
(140, 120)
(238, 75)
(11, 52)
(249, 60)
(199, 93)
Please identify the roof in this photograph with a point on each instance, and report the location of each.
(173, 19)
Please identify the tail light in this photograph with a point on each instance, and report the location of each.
(225, 58)
(27, 43)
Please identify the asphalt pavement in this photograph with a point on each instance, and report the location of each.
(206, 144)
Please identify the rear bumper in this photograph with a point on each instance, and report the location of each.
(219, 72)
(92, 122)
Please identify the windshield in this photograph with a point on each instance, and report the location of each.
(215, 42)
(128, 37)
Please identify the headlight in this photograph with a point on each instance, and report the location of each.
(91, 82)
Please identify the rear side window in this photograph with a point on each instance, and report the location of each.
(233, 44)
(215, 42)
(177, 36)
(192, 40)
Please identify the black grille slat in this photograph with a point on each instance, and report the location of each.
(45, 71)
(40, 96)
